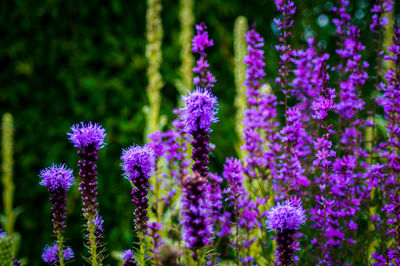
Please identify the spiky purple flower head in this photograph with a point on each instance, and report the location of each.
(128, 258)
(85, 135)
(199, 111)
(137, 160)
(50, 254)
(289, 215)
(56, 177)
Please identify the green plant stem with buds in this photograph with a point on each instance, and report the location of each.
(142, 258)
(92, 241)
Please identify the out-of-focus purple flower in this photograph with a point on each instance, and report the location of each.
(197, 228)
(58, 179)
(287, 10)
(199, 111)
(138, 164)
(258, 119)
(286, 219)
(85, 135)
(156, 240)
(200, 43)
(379, 21)
(50, 254)
(128, 258)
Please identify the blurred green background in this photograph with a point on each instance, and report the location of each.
(62, 62)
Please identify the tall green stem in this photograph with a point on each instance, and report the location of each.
(92, 241)
(60, 248)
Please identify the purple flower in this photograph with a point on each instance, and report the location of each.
(258, 119)
(199, 111)
(90, 139)
(57, 177)
(87, 135)
(197, 228)
(128, 258)
(286, 216)
(50, 254)
(138, 163)
(286, 219)
(156, 240)
(379, 21)
(200, 43)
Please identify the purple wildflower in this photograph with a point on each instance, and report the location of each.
(89, 139)
(198, 114)
(286, 219)
(379, 9)
(258, 118)
(138, 163)
(197, 228)
(58, 179)
(287, 9)
(83, 136)
(390, 101)
(200, 43)
(156, 240)
(50, 254)
(128, 258)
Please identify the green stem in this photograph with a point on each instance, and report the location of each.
(92, 240)
(142, 249)
(60, 248)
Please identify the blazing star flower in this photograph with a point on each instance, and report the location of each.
(83, 135)
(50, 254)
(128, 258)
(138, 163)
(58, 179)
(286, 219)
(90, 139)
(198, 114)
(6, 250)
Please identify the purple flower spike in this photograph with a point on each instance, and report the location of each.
(138, 163)
(58, 179)
(197, 228)
(128, 258)
(200, 43)
(50, 254)
(286, 219)
(198, 114)
(200, 111)
(91, 134)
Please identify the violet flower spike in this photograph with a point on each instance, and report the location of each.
(286, 219)
(89, 139)
(200, 43)
(138, 164)
(197, 228)
(198, 115)
(58, 179)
